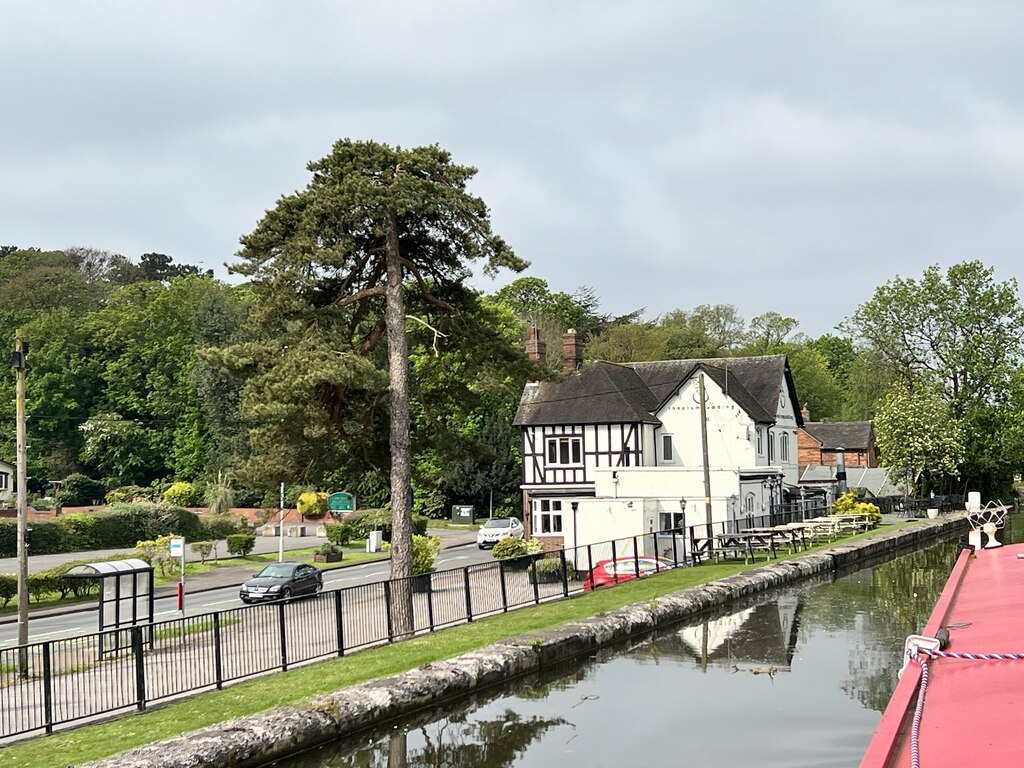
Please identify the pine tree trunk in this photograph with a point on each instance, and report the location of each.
(401, 459)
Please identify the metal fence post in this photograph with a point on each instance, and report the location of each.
(430, 603)
(590, 561)
(387, 610)
(675, 551)
(469, 599)
(47, 688)
(218, 667)
(339, 622)
(614, 558)
(636, 559)
(140, 667)
(533, 577)
(504, 588)
(565, 573)
(283, 634)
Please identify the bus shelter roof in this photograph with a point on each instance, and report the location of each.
(108, 568)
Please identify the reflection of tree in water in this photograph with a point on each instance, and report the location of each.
(491, 743)
(454, 742)
(881, 606)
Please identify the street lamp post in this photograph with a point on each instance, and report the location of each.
(682, 524)
(19, 363)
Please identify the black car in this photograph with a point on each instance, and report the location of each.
(281, 581)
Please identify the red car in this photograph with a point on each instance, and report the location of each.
(623, 569)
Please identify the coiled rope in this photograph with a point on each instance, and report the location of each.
(921, 658)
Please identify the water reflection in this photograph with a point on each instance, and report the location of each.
(794, 678)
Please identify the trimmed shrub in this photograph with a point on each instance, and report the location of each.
(509, 547)
(182, 494)
(221, 526)
(8, 588)
(312, 504)
(367, 520)
(78, 490)
(340, 533)
(202, 548)
(419, 525)
(241, 544)
(157, 552)
(291, 494)
(425, 550)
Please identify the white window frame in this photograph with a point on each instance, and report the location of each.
(784, 447)
(573, 453)
(760, 442)
(771, 446)
(547, 517)
(668, 452)
(4, 481)
(748, 503)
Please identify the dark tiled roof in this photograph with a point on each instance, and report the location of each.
(849, 435)
(598, 393)
(606, 392)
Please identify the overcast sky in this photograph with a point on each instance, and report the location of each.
(775, 156)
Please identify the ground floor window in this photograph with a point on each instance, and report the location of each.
(671, 520)
(547, 516)
(3, 481)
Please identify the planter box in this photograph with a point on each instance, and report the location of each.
(330, 557)
(520, 563)
(546, 577)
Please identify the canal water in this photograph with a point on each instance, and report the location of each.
(798, 677)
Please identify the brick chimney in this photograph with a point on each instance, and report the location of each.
(572, 351)
(536, 349)
(805, 412)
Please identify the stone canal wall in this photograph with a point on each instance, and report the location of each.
(259, 739)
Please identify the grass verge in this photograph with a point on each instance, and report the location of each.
(93, 742)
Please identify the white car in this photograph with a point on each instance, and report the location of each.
(498, 528)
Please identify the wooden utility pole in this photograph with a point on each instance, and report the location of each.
(18, 362)
(707, 469)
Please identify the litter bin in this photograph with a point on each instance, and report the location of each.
(462, 515)
(374, 539)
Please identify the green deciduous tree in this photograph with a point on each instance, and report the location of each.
(917, 434)
(960, 331)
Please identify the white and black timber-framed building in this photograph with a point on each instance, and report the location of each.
(614, 448)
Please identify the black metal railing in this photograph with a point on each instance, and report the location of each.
(56, 682)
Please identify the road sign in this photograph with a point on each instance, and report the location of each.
(341, 502)
(177, 547)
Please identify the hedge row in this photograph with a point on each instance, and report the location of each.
(120, 525)
(366, 520)
(47, 583)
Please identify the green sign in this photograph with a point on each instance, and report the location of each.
(341, 502)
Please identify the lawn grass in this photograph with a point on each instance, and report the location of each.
(299, 684)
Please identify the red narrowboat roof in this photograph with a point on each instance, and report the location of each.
(972, 708)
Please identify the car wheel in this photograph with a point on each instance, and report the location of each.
(286, 594)
(481, 546)
(318, 589)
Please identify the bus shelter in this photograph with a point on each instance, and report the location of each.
(126, 597)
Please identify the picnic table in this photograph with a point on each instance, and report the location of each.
(745, 543)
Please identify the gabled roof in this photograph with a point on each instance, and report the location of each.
(599, 393)
(848, 435)
(603, 392)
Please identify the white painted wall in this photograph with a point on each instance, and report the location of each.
(730, 429)
(7, 484)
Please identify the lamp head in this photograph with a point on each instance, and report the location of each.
(682, 505)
